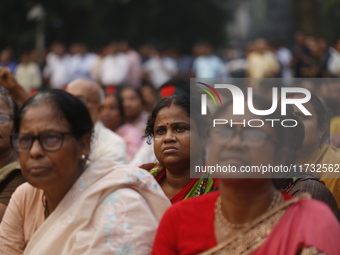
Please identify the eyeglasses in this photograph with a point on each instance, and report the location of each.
(86, 100)
(49, 141)
(251, 137)
(5, 118)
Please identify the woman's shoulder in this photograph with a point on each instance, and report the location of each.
(308, 209)
(27, 191)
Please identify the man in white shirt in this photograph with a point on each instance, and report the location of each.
(160, 68)
(207, 65)
(56, 67)
(105, 143)
(81, 62)
(115, 67)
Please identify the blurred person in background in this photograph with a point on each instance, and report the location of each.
(184, 63)
(284, 57)
(134, 74)
(303, 179)
(149, 95)
(261, 63)
(333, 107)
(313, 64)
(315, 150)
(55, 71)
(170, 127)
(300, 53)
(145, 51)
(6, 59)
(69, 207)
(133, 107)
(81, 62)
(106, 143)
(96, 70)
(39, 57)
(325, 54)
(115, 66)
(235, 63)
(160, 68)
(333, 65)
(112, 116)
(10, 171)
(28, 73)
(206, 64)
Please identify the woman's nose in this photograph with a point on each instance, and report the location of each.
(169, 136)
(36, 149)
(237, 140)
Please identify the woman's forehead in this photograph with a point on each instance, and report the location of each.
(44, 111)
(171, 115)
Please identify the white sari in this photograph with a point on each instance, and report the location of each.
(111, 209)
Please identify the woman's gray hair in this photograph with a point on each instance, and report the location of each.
(8, 101)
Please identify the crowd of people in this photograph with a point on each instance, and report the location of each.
(97, 149)
(119, 64)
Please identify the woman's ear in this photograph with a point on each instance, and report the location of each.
(84, 146)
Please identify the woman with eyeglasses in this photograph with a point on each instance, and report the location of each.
(172, 127)
(67, 207)
(248, 215)
(10, 173)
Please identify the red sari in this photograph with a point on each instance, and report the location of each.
(188, 228)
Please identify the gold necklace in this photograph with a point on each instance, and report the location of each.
(222, 221)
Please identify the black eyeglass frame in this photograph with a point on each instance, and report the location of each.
(40, 139)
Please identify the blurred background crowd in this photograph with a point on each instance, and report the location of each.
(148, 45)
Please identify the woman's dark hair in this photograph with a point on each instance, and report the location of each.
(186, 103)
(69, 107)
(321, 114)
(137, 91)
(120, 105)
(8, 101)
(146, 84)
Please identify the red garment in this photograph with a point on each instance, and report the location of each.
(188, 228)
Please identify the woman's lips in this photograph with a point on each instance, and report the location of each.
(170, 149)
(39, 170)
